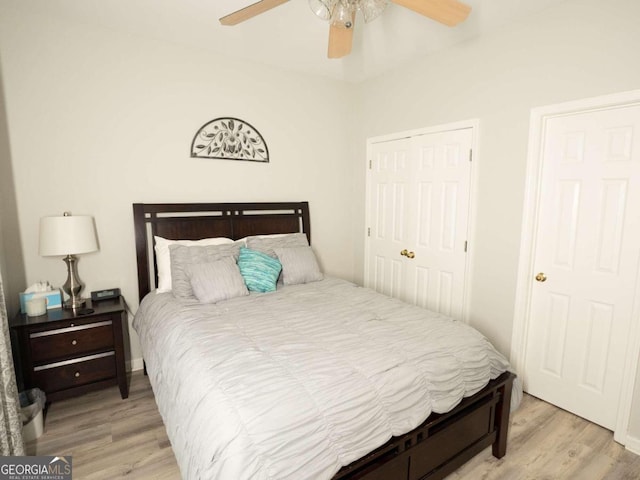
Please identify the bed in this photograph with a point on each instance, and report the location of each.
(185, 344)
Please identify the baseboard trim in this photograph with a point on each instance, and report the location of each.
(135, 364)
(633, 444)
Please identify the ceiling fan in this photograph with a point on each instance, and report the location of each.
(342, 14)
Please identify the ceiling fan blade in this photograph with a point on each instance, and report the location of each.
(250, 11)
(449, 12)
(340, 41)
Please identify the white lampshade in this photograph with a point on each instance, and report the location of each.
(67, 235)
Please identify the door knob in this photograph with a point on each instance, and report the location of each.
(541, 277)
(404, 253)
(411, 255)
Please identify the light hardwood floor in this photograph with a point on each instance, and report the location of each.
(112, 438)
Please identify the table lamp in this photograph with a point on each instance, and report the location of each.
(68, 236)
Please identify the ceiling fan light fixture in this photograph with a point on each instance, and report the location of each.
(371, 9)
(343, 14)
(323, 8)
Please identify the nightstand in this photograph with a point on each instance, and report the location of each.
(66, 355)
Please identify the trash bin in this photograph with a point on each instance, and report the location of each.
(31, 408)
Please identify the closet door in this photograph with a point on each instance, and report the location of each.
(419, 210)
(392, 191)
(442, 175)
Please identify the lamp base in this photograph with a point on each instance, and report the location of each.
(73, 286)
(75, 303)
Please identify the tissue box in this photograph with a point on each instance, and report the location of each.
(54, 299)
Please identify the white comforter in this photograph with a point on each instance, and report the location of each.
(298, 383)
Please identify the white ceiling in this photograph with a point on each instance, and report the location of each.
(290, 36)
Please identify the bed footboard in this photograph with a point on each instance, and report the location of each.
(443, 442)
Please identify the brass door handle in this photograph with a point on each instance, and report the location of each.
(541, 277)
(407, 253)
(411, 255)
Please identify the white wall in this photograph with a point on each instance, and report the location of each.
(11, 261)
(578, 49)
(99, 119)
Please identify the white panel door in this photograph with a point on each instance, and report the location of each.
(438, 228)
(419, 204)
(391, 193)
(587, 254)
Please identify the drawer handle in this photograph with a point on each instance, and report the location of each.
(72, 325)
(74, 342)
(77, 374)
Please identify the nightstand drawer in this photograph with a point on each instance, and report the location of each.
(71, 341)
(72, 373)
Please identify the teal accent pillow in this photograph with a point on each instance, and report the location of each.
(259, 270)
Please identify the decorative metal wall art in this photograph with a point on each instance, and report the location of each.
(229, 139)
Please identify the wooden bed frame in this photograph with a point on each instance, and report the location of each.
(433, 450)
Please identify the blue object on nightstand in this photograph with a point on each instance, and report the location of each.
(54, 299)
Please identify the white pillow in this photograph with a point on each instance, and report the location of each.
(163, 257)
(271, 235)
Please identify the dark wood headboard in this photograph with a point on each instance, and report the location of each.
(195, 221)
